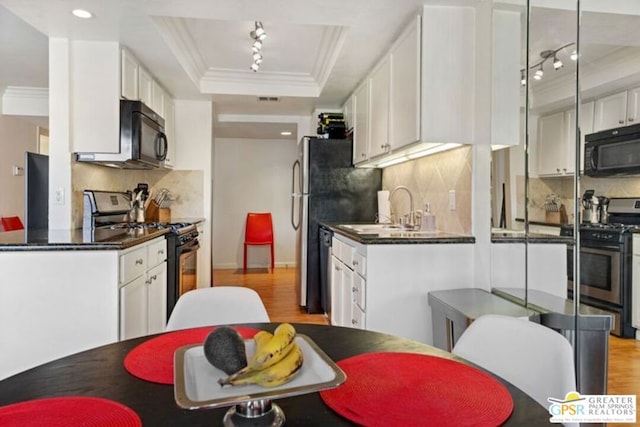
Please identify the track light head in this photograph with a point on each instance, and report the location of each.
(557, 64)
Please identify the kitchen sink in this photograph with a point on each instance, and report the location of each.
(372, 228)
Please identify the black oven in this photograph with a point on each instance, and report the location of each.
(601, 273)
(182, 263)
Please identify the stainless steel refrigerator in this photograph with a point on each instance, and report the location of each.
(326, 188)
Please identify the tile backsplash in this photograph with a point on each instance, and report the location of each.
(539, 188)
(187, 187)
(430, 180)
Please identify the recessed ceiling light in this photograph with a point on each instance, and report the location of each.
(285, 133)
(81, 13)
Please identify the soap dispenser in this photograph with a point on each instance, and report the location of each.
(428, 222)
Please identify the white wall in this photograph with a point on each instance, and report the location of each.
(16, 136)
(194, 141)
(252, 176)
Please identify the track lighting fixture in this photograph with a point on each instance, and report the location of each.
(258, 34)
(546, 55)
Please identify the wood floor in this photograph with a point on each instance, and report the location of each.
(277, 290)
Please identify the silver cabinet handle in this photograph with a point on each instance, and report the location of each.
(161, 252)
(354, 322)
(630, 119)
(354, 289)
(621, 122)
(140, 261)
(354, 262)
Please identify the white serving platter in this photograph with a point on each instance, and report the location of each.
(196, 380)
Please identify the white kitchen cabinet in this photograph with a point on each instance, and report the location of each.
(345, 285)
(586, 127)
(404, 108)
(618, 109)
(169, 128)
(551, 147)
(145, 87)
(143, 289)
(361, 123)
(129, 75)
(379, 103)
(390, 284)
(635, 284)
(347, 112)
(158, 96)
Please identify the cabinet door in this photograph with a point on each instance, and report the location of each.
(336, 294)
(157, 98)
(347, 111)
(357, 318)
(133, 309)
(405, 88)
(346, 296)
(379, 119)
(361, 123)
(633, 106)
(169, 128)
(611, 111)
(145, 86)
(586, 127)
(157, 298)
(551, 148)
(128, 76)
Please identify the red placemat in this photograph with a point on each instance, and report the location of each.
(68, 411)
(402, 389)
(153, 359)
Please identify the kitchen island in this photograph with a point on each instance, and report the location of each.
(65, 291)
(380, 276)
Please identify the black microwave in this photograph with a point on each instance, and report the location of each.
(613, 152)
(143, 141)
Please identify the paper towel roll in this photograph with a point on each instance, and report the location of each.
(384, 207)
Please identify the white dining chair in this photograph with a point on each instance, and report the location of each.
(534, 358)
(217, 305)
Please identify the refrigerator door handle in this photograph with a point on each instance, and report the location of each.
(296, 164)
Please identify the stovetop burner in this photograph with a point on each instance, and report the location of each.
(177, 227)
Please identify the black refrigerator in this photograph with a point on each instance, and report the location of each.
(326, 188)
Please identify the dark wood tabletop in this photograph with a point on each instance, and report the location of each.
(100, 372)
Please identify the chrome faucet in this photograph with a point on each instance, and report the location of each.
(411, 222)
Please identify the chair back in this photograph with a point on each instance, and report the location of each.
(259, 228)
(217, 305)
(10, 223)
(534, 358)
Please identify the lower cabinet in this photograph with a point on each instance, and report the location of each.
(385, 287)
(143, 289)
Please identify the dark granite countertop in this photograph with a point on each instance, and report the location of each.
(76, 239)
(520, 237)
(399, 236)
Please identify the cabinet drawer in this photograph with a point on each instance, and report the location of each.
(360, 264)
(358, 291)
(336, 248)
(347, 255)
(157, 252)
(133, 264)
(357, 317)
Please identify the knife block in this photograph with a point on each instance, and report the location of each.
(556, 217)
(156, 213)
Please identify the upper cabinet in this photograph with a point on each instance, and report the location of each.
(380, 85)
(129, 76)
(136, 82)
(556, 141)
(404, 102)
(419, 96)
(361, 123)
(618, 109)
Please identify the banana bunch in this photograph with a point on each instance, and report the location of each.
(277, 359)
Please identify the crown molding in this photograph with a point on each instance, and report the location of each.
(175, 33)
(241, 82)
(330, 48)
(25, 101)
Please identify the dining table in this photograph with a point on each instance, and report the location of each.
(101, 373)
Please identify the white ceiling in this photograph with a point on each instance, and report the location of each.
(315, 53)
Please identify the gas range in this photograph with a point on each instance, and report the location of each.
(179, 228)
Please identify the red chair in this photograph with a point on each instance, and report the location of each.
(10, 223)
(258, 231)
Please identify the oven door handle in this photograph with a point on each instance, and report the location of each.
(192, 248)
